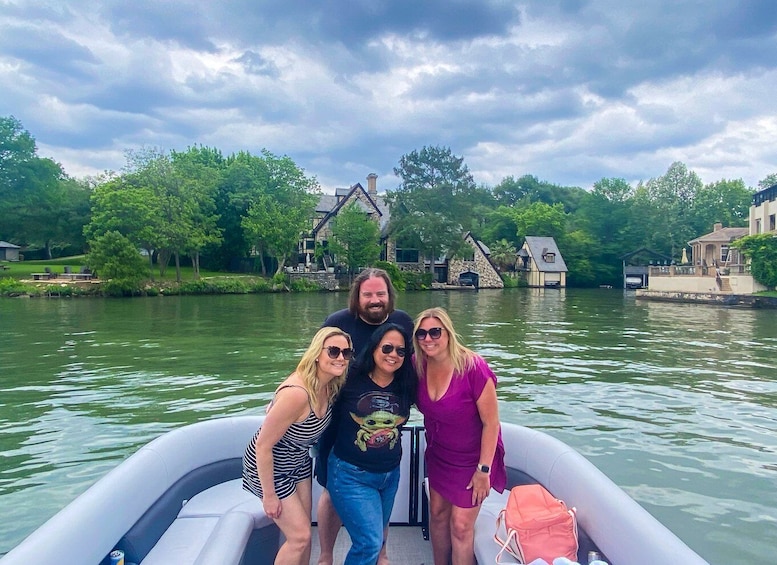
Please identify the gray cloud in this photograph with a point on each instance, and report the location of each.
(568, 90)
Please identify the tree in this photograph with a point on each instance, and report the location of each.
(36, 197)
(503, 253)
(724, 201)
(671, 198)
(761, 250)
(114, 256)
(768, 181)
(121, 206)
(243, 180)
(355, 238)
(429, 209)
(541, 219)
(198, 183)
(276, 219)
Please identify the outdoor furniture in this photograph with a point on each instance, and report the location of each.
(52, 274)
(40, 276)
(4, 267)
(77, 276)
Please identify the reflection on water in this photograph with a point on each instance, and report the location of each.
(676, 403)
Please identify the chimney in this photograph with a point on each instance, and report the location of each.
(372, 184)
(717, 226)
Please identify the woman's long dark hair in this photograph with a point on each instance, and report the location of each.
(406, 376)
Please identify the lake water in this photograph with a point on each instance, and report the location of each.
(676, 403)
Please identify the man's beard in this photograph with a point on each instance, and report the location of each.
(374, 316)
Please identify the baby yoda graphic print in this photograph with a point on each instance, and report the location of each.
(377, 414)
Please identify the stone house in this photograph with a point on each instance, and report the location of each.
(475, 270)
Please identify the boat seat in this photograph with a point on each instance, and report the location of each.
(485, 527)
(212, 528)
(486, 548)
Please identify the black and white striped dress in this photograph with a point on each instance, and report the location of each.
(291, 455)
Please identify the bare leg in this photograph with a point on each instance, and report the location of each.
(462, 527)
(328, 527)
(294, 522)
(440, 527)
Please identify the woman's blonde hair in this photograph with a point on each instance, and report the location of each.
(307, 369)
(462, 357)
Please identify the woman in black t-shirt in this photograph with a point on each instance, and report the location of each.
(368, 417)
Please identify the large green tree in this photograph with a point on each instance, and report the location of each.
(278, 215)
(355, 238)
(668, 202)
(431, 209)
(38, 202)
(724, 201)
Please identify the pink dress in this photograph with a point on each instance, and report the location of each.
(453, 430)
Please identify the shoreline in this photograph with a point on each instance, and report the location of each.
(736, 300)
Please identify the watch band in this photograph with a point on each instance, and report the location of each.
(483, 468)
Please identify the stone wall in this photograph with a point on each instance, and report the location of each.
(321, 278)
(745, 300)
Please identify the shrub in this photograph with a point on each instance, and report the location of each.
(114, 256)
(394, 274)
(417, 281)
(303, 284)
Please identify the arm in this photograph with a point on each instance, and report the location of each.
(290, 405)
(488, 409)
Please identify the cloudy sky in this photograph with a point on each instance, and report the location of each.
(567, 90)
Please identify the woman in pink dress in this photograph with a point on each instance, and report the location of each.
(464, 452)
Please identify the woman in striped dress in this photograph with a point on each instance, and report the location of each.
(277, 466)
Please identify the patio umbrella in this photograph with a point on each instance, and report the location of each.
(684, 259)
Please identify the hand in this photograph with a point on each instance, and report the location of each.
(272, 506)
(480, 485)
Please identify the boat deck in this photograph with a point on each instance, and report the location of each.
(405, 545)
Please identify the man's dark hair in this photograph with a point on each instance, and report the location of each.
(372, 272)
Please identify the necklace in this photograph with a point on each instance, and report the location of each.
(381, 385)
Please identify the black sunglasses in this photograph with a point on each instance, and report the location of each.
(388, 348)
(434, 333)
(334, 352)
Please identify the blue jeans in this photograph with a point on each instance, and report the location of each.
(363, 501)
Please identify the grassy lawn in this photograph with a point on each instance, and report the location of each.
(22, 270)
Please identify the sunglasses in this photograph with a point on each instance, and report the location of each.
(334, 352)
(388, 348)
(434, 333)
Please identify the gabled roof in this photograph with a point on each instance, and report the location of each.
(648, 252)
(723, 235)
(9, 245)
(483, 249)
(330, 204)
(538, 247)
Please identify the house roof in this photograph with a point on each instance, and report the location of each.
(723, 235)
(538, 247)
(9, 245)
(645, 251)
(330, 204)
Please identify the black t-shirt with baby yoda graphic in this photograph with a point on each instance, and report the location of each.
(369, 421)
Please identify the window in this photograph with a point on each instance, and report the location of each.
(723, 253)
(549, 257)
(758, 225)
(772, 226)
(407, 255)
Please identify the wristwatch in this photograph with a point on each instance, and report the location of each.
(483, 468)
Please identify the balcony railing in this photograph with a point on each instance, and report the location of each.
(697, 270)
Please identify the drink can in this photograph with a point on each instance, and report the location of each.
(593, 556)
(117, 557)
